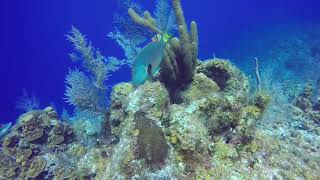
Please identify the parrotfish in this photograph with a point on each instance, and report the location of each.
(5, 129)
(147, 62)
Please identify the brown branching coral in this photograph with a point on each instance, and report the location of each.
(180, 54)
(188, 41)
(146, 20)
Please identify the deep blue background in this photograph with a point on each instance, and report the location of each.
(33, 52)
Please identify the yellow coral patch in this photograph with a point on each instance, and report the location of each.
(173, 139)
(136, 132)
(253, 111)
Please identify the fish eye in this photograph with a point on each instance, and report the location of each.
(149, 68)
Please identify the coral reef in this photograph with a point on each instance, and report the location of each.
(309, 105)
(216, 132)
(197, 120)
(35, 134)
(304, 100)
(40, 146)
(155, 135)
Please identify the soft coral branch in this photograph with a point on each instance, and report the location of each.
(93, 61)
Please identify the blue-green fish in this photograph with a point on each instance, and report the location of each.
(5, 129)
(148, 60)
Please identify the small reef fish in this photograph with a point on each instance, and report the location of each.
(147, 63)
(5, 129)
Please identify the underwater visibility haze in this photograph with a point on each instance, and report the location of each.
(160, 89)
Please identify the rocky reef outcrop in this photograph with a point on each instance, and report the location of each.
(213, 132)
(41, 146)
(35, 134)
(159, 138)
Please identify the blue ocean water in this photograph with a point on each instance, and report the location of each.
(34, 50)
